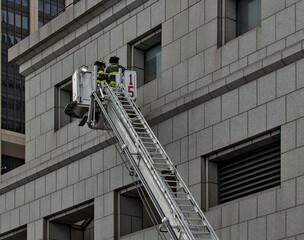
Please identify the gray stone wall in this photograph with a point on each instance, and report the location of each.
(207, 98)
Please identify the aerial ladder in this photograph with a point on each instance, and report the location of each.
(114, 109)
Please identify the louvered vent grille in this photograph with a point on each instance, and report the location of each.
(249, 173)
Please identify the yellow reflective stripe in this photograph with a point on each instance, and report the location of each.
(113, 73)
(112, 84)
(99, 73)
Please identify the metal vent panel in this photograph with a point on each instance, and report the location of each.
(250, 173)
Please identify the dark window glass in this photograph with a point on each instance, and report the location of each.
(11, 18)
(152, 63)
(17, 39)
(11, 104)
(248, 15)
(54, 9)
(40, 24)
(4, 81)
(4, 105)
(8, 163)
(18, 126)
(40, 5)
(18, 20)
(25, 3)
(3, 16)
(18, 105)
(25, 22)
(10, 125)
(4, 38)
(10, 40)
(48, 9)
(4, 123)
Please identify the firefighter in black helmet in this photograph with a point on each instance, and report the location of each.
(113, 70)
(100, 70)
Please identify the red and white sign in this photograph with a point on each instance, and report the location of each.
(130, 83)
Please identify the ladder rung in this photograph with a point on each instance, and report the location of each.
(146, 138)
(148, 142)
(200, 233)
(166, 175)
(163, 169)
(188, 211)
(156, 159)
(138, 124)
(170, 181)
(177, 192)
(182, 199)
(161, 161)
(197, 226)
(152, 148)
(193, 219)
(185, 205)
(164, 164)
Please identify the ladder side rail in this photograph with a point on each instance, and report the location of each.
(139, 187)
(138, 172)
(146, 156)
(179, 178)
(127, 126)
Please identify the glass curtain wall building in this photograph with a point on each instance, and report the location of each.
(15, 27)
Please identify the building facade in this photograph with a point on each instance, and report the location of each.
(221, 83)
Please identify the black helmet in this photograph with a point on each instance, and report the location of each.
(114, 59)
(100, 63)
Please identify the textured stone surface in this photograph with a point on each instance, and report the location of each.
(200, 103)
(285, 22)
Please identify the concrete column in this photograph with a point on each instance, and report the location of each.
(33, 16)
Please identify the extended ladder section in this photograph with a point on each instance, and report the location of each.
(176, 206)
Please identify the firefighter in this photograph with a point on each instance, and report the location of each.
(100, 70)
(113, 70)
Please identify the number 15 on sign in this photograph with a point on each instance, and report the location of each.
(130, 83)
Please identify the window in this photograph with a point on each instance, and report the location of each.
(145, 57)
(17, 20)
(9, 163)
(152, 63)
(73, 224)
(17, 234)
(25, 22)
(3, 16)
(11, 18)
(48, 9)
(248, 15)
(25, 3)
(133, 215)
(63, 97)
(238, 17)
(240, 171)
